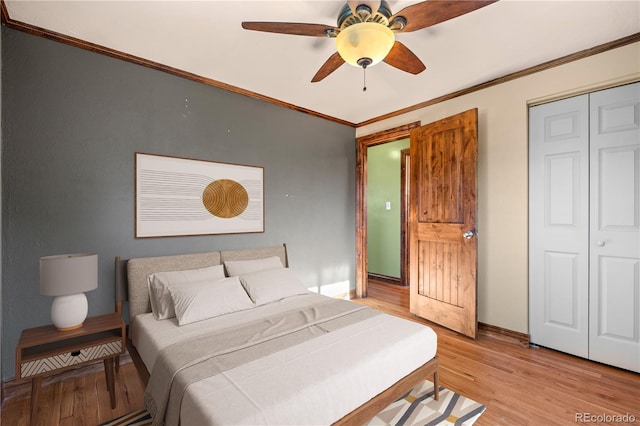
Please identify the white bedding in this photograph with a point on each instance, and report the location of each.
(315, 382)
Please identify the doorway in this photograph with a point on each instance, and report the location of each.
(362, 145)
(442, 215)
(405, 180)
(386, 204)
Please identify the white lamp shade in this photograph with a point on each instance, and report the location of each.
(364, 40)
(67, 274)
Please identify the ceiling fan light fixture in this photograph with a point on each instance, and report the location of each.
(365, 40)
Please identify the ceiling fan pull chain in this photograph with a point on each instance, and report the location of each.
(364, 79)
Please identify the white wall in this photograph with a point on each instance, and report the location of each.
(503, 169)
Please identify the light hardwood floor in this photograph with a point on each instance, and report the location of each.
(519, 386)
(79, 401)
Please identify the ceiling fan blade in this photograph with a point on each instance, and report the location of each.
(432, 12)
(404, 59)
(294, 28)
(333, 63)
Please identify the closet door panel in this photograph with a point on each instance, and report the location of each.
(614, 331)
(558, 225)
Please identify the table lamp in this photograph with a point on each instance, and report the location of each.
(67, 277)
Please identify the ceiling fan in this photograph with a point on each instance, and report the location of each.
(365, 34)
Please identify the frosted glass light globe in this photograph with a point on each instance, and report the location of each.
(365, 40)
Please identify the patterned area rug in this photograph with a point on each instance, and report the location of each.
(419, 408)
(415, 408)
(136, 418)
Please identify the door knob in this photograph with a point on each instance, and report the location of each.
(469, 234)
(600, 243)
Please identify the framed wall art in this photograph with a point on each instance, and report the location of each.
(181, 196)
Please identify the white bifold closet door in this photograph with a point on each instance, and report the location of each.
(584, 226)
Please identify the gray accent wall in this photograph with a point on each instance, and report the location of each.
(72, 121)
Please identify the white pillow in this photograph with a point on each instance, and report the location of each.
(198, 301)
(241, 267)
(271, 285)
(161, 303)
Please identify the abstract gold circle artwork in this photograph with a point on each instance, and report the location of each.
(225, 198)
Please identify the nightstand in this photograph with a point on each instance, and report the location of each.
(43, 351)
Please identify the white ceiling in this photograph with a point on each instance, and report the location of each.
(205, 38)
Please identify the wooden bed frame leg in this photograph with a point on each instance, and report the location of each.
(367, 411)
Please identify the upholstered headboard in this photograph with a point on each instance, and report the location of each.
(131, 275)
(256, 253)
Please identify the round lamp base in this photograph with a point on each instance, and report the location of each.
(69, 312)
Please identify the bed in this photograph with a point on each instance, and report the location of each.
(255, 347)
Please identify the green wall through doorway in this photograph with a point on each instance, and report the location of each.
(383, 208)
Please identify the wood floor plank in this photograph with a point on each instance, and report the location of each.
(16, 411)
(104, 411)
(66, 401)
(56, 402)
(81, 401)
(47, 413)
(518, 385)
(131, 394)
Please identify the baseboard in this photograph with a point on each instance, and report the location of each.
(13, 388)
(384, 278)
(521, 339)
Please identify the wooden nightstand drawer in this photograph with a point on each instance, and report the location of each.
(67, 359)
